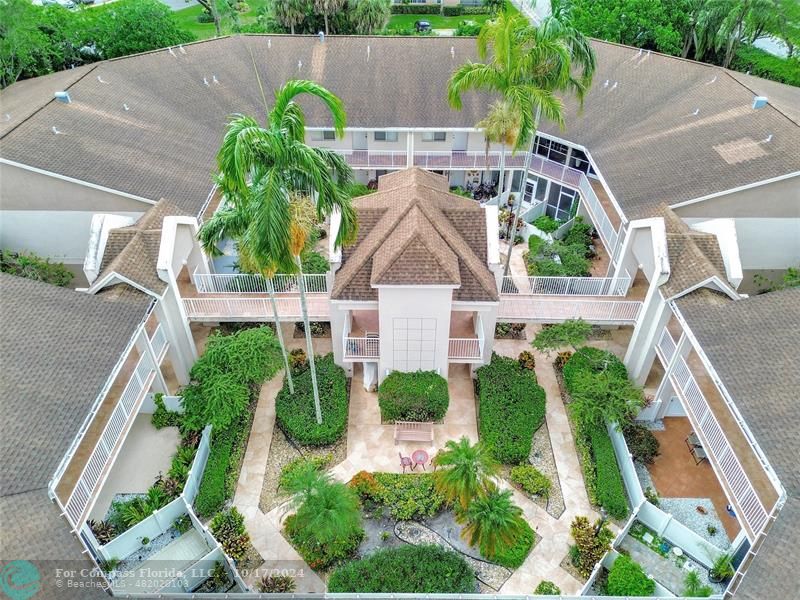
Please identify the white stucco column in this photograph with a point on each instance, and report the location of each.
(654, 315)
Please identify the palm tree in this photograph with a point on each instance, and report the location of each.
(492, 520)
(370, 16)
(467, 471)
(267, 171)
(528, 65)
(290, 13)
(327, 7)
(501, 125)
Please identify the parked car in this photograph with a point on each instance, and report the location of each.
(422, 26)
(65, 3)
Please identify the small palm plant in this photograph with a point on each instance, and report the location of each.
(491, 521)
(466, 471)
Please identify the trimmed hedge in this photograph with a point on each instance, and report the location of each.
(626, 577)
(511, 407)
(420, 396)
(295, 412)
(406, 569)
(610, 490)
(530, 479)
(415, 9)
(513, 556)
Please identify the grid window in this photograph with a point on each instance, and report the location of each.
(414, 344)
(434, 136)
(328, 134)
(560, 202)
(386, 136)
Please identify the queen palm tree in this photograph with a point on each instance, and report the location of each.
(261, 171)
(492, 520)
(527, 67)
(466, 471)
(501, 125)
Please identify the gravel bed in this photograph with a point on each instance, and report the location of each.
(492, 575)
(281, 453)
(567, 565)
(542, 458)
(378, 531)
(143, 553)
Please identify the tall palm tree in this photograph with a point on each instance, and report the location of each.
(260, 170)
(328, 7)
(500, 125)
(466, 471)
(724, 25)
(527, 67)
(492, 520)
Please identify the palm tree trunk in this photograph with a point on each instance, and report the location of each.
(325, 16)
(514, 209)
(301, 285)
(500, 181)
(271, 290)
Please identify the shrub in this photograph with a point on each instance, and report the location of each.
(530, 479)
(610, 490)
(512, 556)
(31, 266)
(627, 578)
(183, 524)
(546, 223)
(124, 514)
(527, 360)
(511, 407)
(642, 443)
(409, 496)
(277, 584)
(222, 467)
(452, 11)
(593, 360)
(419, 396)
(547, 588)
(228, 528)
(365, 485)
(763, 64)
(571, 332)
(162, 417)
(579, 233)
(292, 468)
(407, 569)
(103, 531)
(471, 28)
(356, 189)
(591, 543)
(298, 361)
(315, 263)
(295, 412)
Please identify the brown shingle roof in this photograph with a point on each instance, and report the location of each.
(407, 236)
(132, 251)
(642, 133)
(753, 345)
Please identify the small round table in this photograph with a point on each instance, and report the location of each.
(419, 457)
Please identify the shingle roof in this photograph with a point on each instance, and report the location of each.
(57, 350)
(641, 131)
(132, 251)
(753, 345)
(412, 231)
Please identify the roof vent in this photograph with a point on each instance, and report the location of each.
(180, 47)
(760, 102)
(368, 52)
(269, 42)
(452, 52)
(101, 80)
(321, 35)
(63, 97)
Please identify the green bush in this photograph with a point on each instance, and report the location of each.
(547, 588)
(419, 396)
(452, 11)
(315, 263)
(295, 412)
(469, 28)
(591, 543)
(162, 417)
(642, 443)
(295, 466)
(407, 496)
(407, 569)
(530, 479)
(228, 528)
(579, 233)
(627, 578)
(31, 266)
(592, 360)
(356, 189)
(415, 9)
(511, 407)
(610, 490)
(763, 64)
(546, 223)
(222, 467)
(513, 556)
(321, 556)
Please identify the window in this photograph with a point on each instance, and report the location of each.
(551, 150)
(324, 135)
(386, 136)
(561, 202)
(579, 160)
(434, 136)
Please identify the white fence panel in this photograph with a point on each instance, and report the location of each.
(245, 283)
(198, 466)
(678, 534)
(566, 286)
(625, 462)
(130, 541)
(361, 347)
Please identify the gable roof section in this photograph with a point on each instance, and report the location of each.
(407, 236)
(642, 133)
(132, 251)
(753, 345)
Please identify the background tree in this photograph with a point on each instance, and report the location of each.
(501, 125)
(370, 16)
(572, 332)
(601, 397)
(465, 471)
(492, 520)
(327, 8)
(290, 13)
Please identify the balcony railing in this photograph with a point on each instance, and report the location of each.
(159, 343)
(106, 446)
(375, 159)
(468, 349)
(472, 160)
(602, 223)
(551, 310)
(566, 286)
(243, 283)
(255, 309)
(666, 347)
(361, 347)
(752, 510)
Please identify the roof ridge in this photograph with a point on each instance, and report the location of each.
(730, 73)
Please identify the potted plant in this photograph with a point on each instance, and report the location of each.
(722, 569)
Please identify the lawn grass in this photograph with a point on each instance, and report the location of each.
(187, 19)
(436, 21)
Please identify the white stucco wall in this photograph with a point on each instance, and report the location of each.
(414, 328)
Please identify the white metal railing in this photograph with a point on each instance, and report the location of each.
(245, 283)
(602, 223)
(375, 159)
(666, 347)
(361, 347)
(550, 310)
(464, 349)
(256, 309)
(159, 342)
(715, 441)
(566, 286)
(464, 159)
(126, 406)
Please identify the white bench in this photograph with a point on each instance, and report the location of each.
(412, 431)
